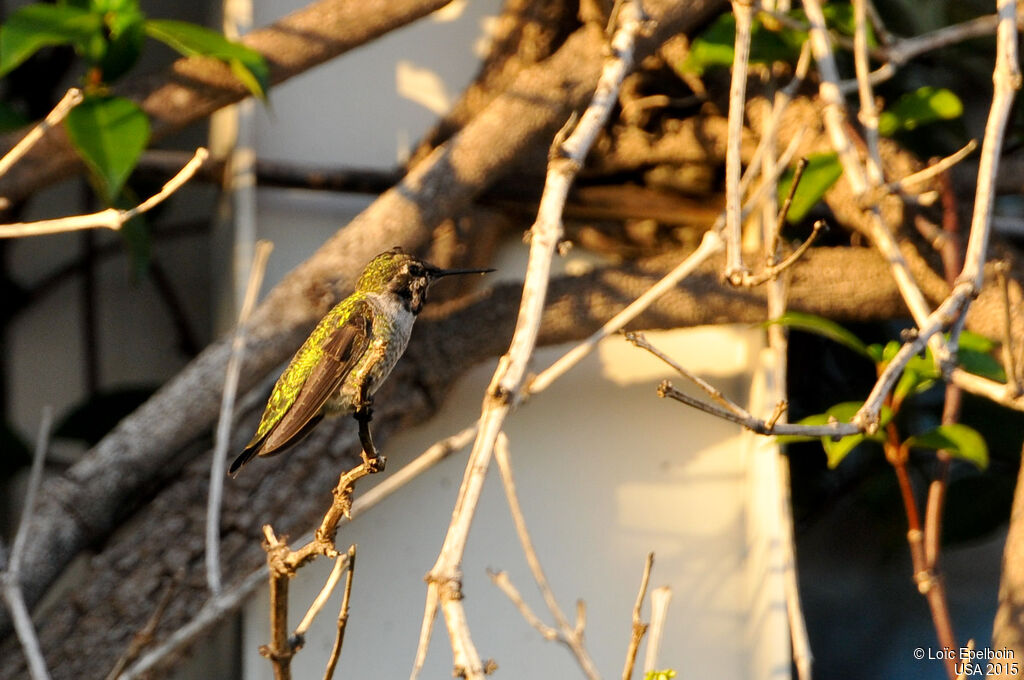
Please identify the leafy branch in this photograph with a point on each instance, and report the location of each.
(110, 132)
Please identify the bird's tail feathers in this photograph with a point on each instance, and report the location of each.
(244, 457)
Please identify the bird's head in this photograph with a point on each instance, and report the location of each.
(404, 275)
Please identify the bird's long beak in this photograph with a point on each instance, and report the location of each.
(436, 273)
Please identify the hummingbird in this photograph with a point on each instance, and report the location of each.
(348, 355)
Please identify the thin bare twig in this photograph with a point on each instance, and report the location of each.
(282, 562)
(884, 36)
(639, 627)
(279, 652)
(640, 340)
(906, 49)
(772, 271)
(567, 634)
(767, 427)
(773, 267)
(1007, 80)
(10, 577)
(340, 564)
(222, 435)
(868, 110)
(775, 387)
(70, 100)
(145, 637)
(730, 410)
(502, 581)
(339, 636)
(111, 218)
(901, 185)
(660, 599)
(1009, 354)
(744, 13)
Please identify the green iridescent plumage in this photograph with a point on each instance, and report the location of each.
(302, 364)
(348, 355)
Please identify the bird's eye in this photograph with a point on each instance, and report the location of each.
(415, 270)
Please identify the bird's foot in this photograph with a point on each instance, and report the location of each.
(364, 412)
(374, 462)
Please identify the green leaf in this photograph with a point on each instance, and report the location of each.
(974, 355)
(811, 323)
(875, 351)
(843, 412)
(961, 441)
(37, 26)
(924, 366)
(769, 42)
(714, 47)
(919, 374)
(247, 64)
(836, 451)
(823, 169)
(890, 350)
(114, 6)
(109, 134)
(125, 29)
(985, 365)
(920, 107)
(840, 17)
(975, 341)
(907, 383)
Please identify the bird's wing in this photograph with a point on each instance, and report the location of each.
(341, 349)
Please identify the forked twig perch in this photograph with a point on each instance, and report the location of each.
(282, 562)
